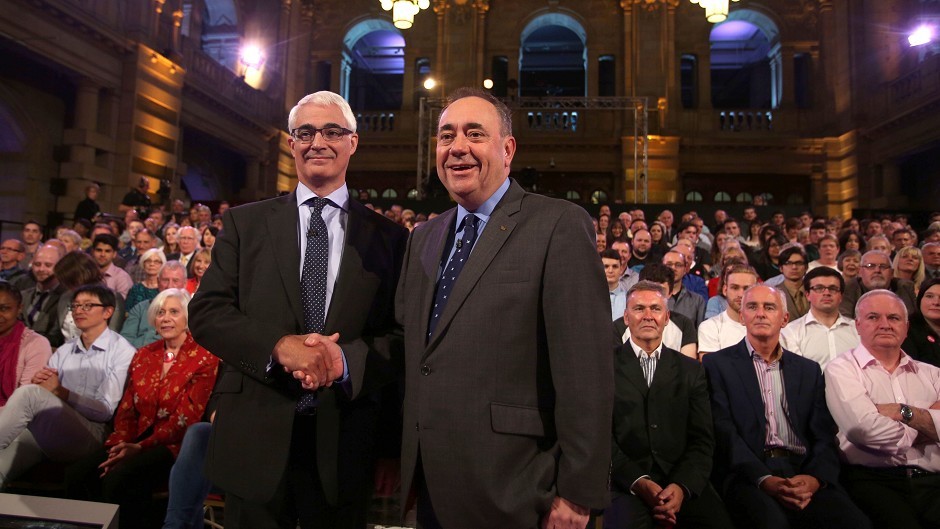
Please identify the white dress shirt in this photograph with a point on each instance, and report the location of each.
(334, 214)
(855, 383)
(806, 336)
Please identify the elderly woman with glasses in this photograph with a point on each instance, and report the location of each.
(150, 263)
(169, 385)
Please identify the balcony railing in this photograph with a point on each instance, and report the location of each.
(219, 83)
(375, 121)
(745, 120)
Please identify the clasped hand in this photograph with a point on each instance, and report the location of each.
(48, 379)
(313, 359)
(118, 453)
(664, 503)
(794, 493)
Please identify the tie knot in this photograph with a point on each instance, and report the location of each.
(470, 221)
(317, 203)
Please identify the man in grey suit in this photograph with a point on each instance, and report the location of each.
(508, 360)
(281, 452)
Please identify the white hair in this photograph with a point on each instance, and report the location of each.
(323, 98)
(880, 292)
(157, 304)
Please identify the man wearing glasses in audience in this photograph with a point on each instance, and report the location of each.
(64, 413)
(876, 273)
(12, 253)
(823, 333)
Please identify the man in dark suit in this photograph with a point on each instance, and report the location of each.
(499, 429)
(662, 438)
(275, 290)
(775, 451)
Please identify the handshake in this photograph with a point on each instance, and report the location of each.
(313, 359)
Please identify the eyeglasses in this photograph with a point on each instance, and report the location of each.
(84, 306)
(879, 266)
(795, 263)
(675, 265)
(819, 289)
(305, 135)
(7, 248)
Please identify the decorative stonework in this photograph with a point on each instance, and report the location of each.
(649, 5)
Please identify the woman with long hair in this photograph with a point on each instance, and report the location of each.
(909, 264)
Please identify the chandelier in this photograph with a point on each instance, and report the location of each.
(404, 11)
(715, 10)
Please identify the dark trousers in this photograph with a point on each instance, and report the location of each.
(705, 511)
(830, 507)
(130, 484)
(300, 496)
(893, 499)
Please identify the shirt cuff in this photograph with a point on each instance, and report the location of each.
(762, 479)
(644, 476)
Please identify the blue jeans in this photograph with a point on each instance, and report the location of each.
(188, 483)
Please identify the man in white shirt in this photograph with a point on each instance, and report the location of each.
(885, 405)
(727, 329)
(823, 333)
(63, 414)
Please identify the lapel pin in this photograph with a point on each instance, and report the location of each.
(502, 228)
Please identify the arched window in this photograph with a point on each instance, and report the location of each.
(553, 57)
(413, 194)
(688, 80)
(722, 196)
(572, 195)
(372, 193)
(220, 34)
(599, 196)
(795, 199)
(743, 198)
(389, 193)
(745, 62)
(693, 196)
(373, 68)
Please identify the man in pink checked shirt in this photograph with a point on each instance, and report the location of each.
(886, 406)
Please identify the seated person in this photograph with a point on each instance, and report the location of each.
(662, 429)
(76, 269)
(727, 328)
(137, 329)
(680, 333)
(923, 337)
(40, 303)
(885, 404)
(63, 413)
(775, 455)
(23, 352)
(147, 288)
(170, 382)
(197, 267)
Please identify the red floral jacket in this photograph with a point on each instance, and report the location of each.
(165, 407)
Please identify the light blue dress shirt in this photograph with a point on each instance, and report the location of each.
(95, 376)
(483, 213)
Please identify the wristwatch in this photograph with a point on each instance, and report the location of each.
(906, 413)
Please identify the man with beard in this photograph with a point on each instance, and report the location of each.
(40, 302)
(875, 273)
(642, 243)
(727, 328)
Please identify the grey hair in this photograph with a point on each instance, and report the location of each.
(173, 265)
(880, 292)
(780, 294)
(865, 256)
(157, 304)
(324, 98)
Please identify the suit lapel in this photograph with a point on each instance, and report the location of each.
(431, 256)
(282, 230)
(358, 235)
(632, 370)
(497, 232)
(792, 381)
(744, 365)
(666, 371)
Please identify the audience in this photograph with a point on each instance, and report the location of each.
(823, 333)
(40, 303)
(923, 336)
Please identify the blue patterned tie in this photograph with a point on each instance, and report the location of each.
(446, 284)
(313, 283)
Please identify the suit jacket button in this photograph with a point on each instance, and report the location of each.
(654, 426)
(425, 370)
(416, 427)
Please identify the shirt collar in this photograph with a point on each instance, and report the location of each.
(841, 321)
(637, 351)
(486, 209)
(100, 343)
(865, 359)
(339, 197)
(775, 357)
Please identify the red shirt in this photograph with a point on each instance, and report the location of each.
(168, 405)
